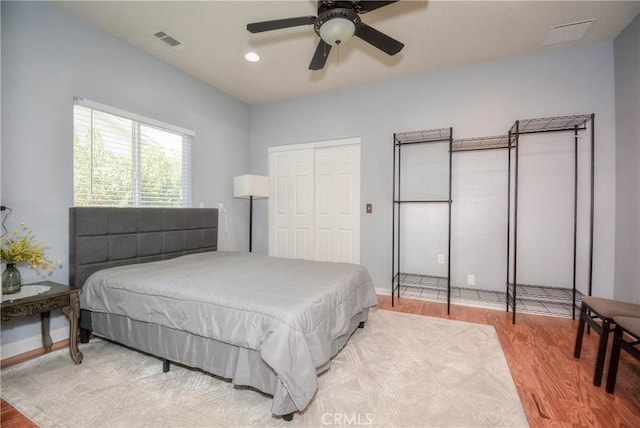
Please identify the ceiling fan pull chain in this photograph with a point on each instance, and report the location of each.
(338, 56)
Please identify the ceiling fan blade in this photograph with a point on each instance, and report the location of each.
(321, 55)
(365, 6)
(259, 27)
(380, 40)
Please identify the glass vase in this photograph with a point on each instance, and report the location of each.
(11, 279)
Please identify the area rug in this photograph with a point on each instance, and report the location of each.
(401, 370)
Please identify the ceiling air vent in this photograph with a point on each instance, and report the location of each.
(566, 33)
(169, 41)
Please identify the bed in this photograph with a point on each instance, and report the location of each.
(153, 280)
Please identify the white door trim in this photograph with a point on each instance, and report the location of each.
(316, 144)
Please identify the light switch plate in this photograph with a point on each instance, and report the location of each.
(369, 208)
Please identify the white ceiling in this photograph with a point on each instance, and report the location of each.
(436, 34)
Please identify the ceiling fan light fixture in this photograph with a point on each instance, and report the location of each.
(337, 30)
(336, 23)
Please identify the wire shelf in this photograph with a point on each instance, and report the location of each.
(421, 281)
(428, 136)
(546, 294)
(481, 143)
(548, 124)
(533, 299)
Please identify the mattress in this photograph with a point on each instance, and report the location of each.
(290, 312)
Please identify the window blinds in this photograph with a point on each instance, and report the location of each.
(123, 159)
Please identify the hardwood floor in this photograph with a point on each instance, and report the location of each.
(555, 389)
(11, 418)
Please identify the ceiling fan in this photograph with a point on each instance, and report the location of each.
(337, 22)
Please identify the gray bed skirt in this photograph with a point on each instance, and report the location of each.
(242, 366)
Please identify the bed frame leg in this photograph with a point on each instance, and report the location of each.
(84, 335)
(166, 365)
(361, 325)
(288, 417)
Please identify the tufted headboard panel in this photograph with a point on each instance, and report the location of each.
(104, 237)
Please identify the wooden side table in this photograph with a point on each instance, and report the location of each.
(58, 296)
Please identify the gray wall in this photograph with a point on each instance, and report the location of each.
(478, 100)
(48, 58)
(627, 89)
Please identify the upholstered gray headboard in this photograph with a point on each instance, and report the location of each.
(104, 237)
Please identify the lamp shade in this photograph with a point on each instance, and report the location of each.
(245, 186)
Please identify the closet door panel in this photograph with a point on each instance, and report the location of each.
(291, 205)
(337, 176)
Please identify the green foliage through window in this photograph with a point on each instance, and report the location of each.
(123, 162)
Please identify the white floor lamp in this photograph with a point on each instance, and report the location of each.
(251, 187)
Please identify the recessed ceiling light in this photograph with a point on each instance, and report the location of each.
(568, 32)
(252, 57)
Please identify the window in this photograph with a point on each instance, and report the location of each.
(122, 159)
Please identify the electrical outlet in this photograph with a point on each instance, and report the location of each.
(220, 206)
(440, 259)
(201, 205)
(471, 279)
(369, 208)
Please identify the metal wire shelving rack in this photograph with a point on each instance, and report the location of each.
(440, 135)
(516, 293)
(541, 293)
(431, 283)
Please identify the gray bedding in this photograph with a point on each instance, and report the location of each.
(289, 311)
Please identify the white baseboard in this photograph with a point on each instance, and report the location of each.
(383, 291)
(30, 343)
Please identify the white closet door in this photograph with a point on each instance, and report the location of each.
(314, 201)
(291, 215)
(337, 204)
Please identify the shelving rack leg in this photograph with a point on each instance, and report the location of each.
(449, 232)
(515, 226)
